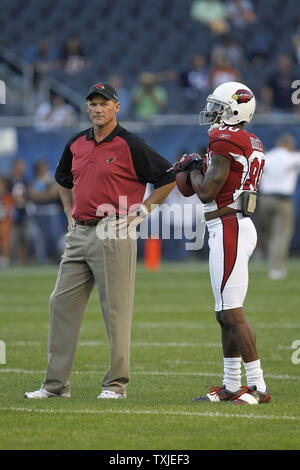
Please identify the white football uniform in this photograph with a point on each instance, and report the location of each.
(232, 237)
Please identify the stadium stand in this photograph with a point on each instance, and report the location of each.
(127, 38)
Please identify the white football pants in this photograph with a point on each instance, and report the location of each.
(232, 239)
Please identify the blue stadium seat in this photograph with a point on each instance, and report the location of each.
(129, 36)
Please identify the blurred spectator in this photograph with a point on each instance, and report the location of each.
(265, 101)
(231, 49)
(52, 115)
(5, 223)
(280, 83)
(43, 55)
(47, 212)
(213, 13)
(20, 232)
(241, 13)
(296, 109)
(276, 208)
(73, 56)
(221, 70)
(149, 99)
(258, 49)
(124, 95)
(296, 46)
(195, 79)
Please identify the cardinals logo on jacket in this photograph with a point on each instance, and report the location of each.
(242, 96)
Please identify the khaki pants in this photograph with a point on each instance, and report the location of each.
(110, 263)
(277, 223)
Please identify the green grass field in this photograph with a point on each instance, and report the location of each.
(176, 353)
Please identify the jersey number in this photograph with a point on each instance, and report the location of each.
(256, 166)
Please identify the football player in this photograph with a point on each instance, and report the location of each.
(226, 182)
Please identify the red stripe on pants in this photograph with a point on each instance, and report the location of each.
(230, 245)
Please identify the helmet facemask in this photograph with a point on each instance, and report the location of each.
(215, 112)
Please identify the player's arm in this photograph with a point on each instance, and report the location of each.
(64, 181)
(151, 168)
(158, 195)
(208, 187)
(66, 196)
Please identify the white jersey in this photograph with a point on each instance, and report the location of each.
(281, 172)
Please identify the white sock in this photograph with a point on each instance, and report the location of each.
(255, 375)
(232, 373)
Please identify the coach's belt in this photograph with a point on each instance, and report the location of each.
(88, 223)
(220, 212)
(92, 222)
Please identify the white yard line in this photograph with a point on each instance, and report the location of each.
(153, 372)
(277, 325)
(134, 343)
(179, 325)
(183, 363)
(97, 372)
(157, 344)
(4, 307)
(22, 308)
(150, 413)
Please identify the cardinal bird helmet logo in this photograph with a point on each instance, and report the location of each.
(242, 96)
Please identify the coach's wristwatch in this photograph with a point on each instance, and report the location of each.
(142, 211)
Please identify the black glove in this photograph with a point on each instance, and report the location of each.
(188, 163)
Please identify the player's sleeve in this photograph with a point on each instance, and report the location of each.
(63, 173)
(149, 165)
(225, 148)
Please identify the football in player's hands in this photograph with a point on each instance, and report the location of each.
(182, 184)
(183, 167)
(188, 162)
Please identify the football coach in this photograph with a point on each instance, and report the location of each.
(99, 166)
